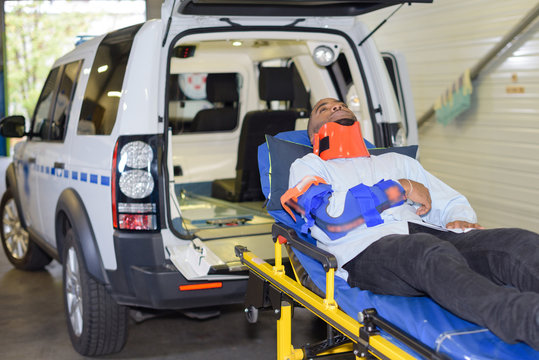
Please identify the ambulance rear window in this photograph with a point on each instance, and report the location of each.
(102, 96)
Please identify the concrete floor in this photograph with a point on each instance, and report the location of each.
(32, 326)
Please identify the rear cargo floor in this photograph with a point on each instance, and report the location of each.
(222, 225)
(202, 212)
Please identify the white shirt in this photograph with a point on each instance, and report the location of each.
(342, 174)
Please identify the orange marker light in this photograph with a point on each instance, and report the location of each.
(203, 286)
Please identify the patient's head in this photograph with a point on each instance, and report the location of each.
(328, 110)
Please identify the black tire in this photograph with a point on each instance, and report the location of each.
(20, 250)
(251, 314)
(97, 325)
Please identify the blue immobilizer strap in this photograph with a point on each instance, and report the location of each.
(367, 204)
(363, 205)
(313, 198)
(337, 227)
(388, 193)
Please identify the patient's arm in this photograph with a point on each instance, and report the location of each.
(418, 193)
(460, 224)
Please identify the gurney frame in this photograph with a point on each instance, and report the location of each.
(270, 287)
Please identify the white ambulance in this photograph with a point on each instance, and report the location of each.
(138, 172)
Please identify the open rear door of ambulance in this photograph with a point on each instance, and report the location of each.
(303, 8)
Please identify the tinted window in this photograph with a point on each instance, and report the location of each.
(43, 107)
(102, 96)
(202, 102)
(64, 97)
(391, 67)
(340, 75)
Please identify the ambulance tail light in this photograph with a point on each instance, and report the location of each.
(135, 193)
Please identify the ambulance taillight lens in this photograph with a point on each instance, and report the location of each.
(136, 184)
(136, 155)
(134, 190)
(137, 221)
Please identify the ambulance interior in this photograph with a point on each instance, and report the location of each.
(223, 96)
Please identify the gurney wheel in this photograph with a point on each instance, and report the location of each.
(251, 314)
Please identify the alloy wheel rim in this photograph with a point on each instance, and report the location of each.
(16, 237)
(73, 292)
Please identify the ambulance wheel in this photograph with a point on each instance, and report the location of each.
(251, 313)
(97, 325)
(22, 252)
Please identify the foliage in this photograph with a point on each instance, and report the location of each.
(34, 40)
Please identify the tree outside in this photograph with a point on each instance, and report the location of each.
(38, 32)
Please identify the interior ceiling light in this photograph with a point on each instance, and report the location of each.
(323, 55)
(114, 94)
(237, 43)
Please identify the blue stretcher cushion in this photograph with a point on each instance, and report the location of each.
(420, 317)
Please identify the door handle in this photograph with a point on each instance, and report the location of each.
(31, 160)
(59, 165)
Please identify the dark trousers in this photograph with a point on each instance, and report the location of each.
(466, 273)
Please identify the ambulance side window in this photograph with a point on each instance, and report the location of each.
(42, 111)
(60, 116)
(203, 102)
(52, 110)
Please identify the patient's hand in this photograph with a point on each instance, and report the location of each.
(460, 224)
(417, 193)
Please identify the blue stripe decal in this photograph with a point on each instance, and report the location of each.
(64, 173)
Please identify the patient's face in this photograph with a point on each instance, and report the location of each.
(327, 110)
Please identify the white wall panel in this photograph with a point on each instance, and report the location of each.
(491, 152)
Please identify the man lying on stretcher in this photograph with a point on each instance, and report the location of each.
(396, 229)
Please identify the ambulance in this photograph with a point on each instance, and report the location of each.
(138, 168)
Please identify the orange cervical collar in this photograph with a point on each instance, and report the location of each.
(335, 141)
